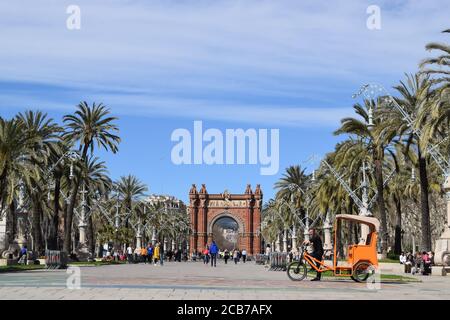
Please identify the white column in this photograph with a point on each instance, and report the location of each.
(82, 228)
(306, 231)
(139, 234)
(364, 211)
(277, 244)
(153, 235)
(294, 239)
(327, 232)
(82, 224)
(442, 245)
(285, 241)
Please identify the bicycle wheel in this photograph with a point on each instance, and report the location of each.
(297, 271)
(362, 271)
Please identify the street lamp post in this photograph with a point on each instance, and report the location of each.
(82, 223)
(116, 220)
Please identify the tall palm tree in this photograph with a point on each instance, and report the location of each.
(89, 126)
(291, 201)
(363, 129)
(61, 175)
(396, 190)
(130, 189)
(415, 93)
(12, 148)
(97, 183)
(40, 133)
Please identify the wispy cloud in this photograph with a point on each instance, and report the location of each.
(283, 62)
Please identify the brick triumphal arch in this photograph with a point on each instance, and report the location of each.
(232, 220)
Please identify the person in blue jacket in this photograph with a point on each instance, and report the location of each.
(213, 250)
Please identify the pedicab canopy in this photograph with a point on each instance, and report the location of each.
(372, 222)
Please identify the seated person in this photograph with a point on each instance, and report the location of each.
(426, 263)
(402, 258)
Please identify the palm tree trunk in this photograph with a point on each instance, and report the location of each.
(36, 224)
(398, 226)
(90, 232)
(426, 227)
(69, 217)
(11, 226)
(381, 204)
(62, 226)
(3, 184)
(73, 199)
(53, 237)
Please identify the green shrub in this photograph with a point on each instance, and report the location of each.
(393, 256)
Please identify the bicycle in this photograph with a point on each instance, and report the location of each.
(298, 270)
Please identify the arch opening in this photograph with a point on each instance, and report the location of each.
(225, 232)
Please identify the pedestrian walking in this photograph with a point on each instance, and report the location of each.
(226, 256)
(206, 255)
(144, 255)
(244, 255)
(213, 250)
(150, 253)
(129, 254)
(161, 254)
(235, 256)
(137, 254)
(156, 254)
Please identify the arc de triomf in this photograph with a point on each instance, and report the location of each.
(232, 220)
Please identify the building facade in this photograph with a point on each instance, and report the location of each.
(232, 220)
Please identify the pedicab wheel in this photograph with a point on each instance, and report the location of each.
(297, 271)
(362, 271)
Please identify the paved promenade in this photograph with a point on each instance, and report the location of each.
(196, 281)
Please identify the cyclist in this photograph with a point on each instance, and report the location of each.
(317, 253)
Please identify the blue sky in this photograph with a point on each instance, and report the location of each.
(160, 65)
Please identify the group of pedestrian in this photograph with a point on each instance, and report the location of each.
(421, 262)
(210, 254)
(146, 254)
(238, 255)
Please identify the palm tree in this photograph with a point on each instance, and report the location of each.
(442, 61)
(40, 133)
(98, 184)
(89, 126)
(363, 129)
(130, 189)
(397, 190)
(12, 147)
(291, 200)
(60, 179)
(415, 94)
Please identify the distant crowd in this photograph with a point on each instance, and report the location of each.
(152, 254)
(419, 263)
(211, 252)
(155, 254)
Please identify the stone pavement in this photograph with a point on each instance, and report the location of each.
(193, 280)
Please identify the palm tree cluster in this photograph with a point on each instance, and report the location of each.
(402, 178)
(50, 176)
